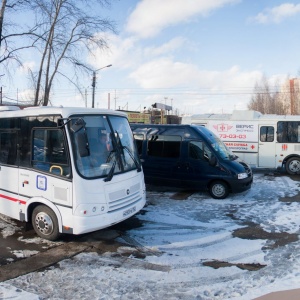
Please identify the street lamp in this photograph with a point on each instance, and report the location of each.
(94, 78)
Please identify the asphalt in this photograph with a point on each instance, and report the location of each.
(281, 295)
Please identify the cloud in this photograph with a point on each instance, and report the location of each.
(152, 16)
(277, 14)
(28, 65)
(165, 73)
(119, 53)
(165, 48)
(194, 90)
(128, 53)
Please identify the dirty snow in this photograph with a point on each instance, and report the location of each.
(177, 238)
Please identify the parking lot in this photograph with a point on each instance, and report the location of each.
(183, 245)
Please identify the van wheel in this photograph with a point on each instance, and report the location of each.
(219, 190)
(45, 223)
(292, 165)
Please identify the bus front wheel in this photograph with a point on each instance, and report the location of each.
(219, 190)
(293, 165)
(45, 223)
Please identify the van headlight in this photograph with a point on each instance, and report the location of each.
(242, 175)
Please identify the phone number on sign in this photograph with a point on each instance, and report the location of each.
(232, 136)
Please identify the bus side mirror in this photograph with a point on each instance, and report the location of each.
(213, 161)
(82, 143)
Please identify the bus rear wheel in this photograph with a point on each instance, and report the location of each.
(293, 165)
(218, 190)
(45, 223)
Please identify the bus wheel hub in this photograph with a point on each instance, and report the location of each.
(44, 223)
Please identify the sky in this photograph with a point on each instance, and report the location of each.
(199, 56)
(164, 252)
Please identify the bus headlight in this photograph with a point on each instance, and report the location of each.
(242, 175)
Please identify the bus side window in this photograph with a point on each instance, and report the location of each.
(288, 131)
(49, 151)
(8, 148)
(267, 134)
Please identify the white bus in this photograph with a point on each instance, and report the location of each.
(54, 173)
(263, 141)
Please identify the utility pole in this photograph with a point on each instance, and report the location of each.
(94, 78)
(115, 100)
(93, 85)
(85, 98)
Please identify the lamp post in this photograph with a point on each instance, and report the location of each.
(94, 78)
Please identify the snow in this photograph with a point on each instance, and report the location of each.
(177, 238)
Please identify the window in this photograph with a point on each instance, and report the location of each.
(164, 146)
(267, 134)
(198, 150)
(8, 147)
(49, 151)
(139, 142)
(288, 132)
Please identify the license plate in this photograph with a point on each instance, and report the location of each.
(129, 211)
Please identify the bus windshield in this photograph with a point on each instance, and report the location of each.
(103, 145)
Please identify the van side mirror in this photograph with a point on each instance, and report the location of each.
(213, 161)
(82, 143)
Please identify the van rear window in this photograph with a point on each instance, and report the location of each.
(164, 146)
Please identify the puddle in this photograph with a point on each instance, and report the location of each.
(129, 224)
(256, 232)
(183, 195)
(290, 199)
(20, 245)
(223, 264)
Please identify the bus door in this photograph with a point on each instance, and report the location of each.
(266, 147)
(8, 172)
(51, 174)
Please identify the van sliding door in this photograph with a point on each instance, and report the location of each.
(163, 154)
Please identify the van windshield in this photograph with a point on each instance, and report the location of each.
(220, 148)
(102, 145)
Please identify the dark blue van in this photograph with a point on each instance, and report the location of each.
(191, 157)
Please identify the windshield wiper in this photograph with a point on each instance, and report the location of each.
(138, 166)
(111, 172)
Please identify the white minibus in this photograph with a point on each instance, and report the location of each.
(56, 173)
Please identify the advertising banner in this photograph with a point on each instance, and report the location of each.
(235, 131)
(242, 146)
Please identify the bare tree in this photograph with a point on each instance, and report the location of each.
(11, 33)
(66, 29)
(267, 99)
(3, 6)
